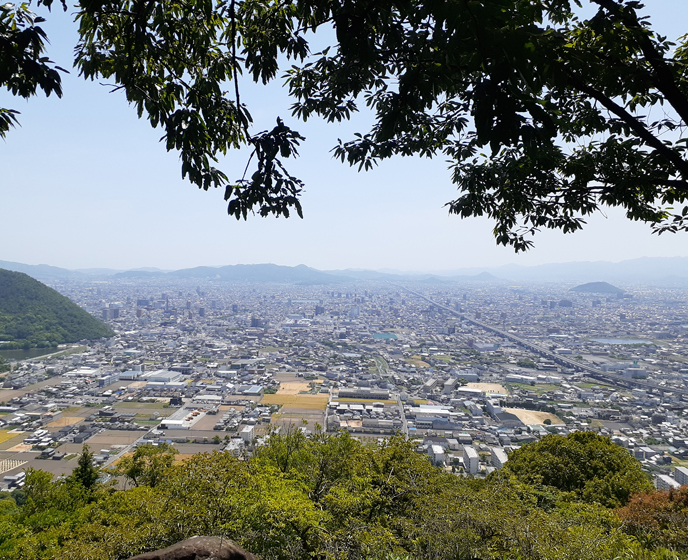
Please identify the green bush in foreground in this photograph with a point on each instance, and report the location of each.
(319, 496)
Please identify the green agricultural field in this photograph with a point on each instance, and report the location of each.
(135, 404)
(538, 388)
(446, 359)
(590, 385)
(417, 362)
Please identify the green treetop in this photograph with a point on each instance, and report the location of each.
(588, 466)
(86, 473)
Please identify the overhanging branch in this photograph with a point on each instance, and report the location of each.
(641, 131)
(665, 78)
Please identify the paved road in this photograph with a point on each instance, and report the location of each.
(557, 358)
(404, 422)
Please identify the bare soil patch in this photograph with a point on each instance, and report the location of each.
(489, 387)
(207, 422)
(290, 415)
(533, 416)
(289, 387)
(20, 448)
(65, 421)
(114, 437)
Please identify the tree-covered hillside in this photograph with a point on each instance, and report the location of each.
(598, 288)
(327, 497)
(32, 314)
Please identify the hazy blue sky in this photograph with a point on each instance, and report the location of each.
(84, 183)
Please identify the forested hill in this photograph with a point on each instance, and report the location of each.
(33, 314)
(597, 288)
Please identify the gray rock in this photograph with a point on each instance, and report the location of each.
(199, 548)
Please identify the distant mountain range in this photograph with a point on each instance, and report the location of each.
(660, 271)
(242, 273)
(256, 273)
(33, 314)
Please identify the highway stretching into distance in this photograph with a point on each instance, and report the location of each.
(558, 358)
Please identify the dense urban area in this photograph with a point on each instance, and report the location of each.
(470, 371)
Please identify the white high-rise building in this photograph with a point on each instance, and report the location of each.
(471, 459)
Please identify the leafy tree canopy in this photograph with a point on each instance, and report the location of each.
(589, 466)
(659, 518)
(147, 465)
(543, 116)
(86, 473)
(317, 496)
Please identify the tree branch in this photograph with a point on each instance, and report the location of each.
(641, 131)
(232, 11)
(678, 185)
(665, 78)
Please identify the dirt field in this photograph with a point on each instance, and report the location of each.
(19, 448)
(30, 460)
(309, 402)
(64, 421)
(178, 458)
(207, 422)
(489, 387)
(113, 437)
(294, 387)
(188, 450)
(533, 416)
(295, 416)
